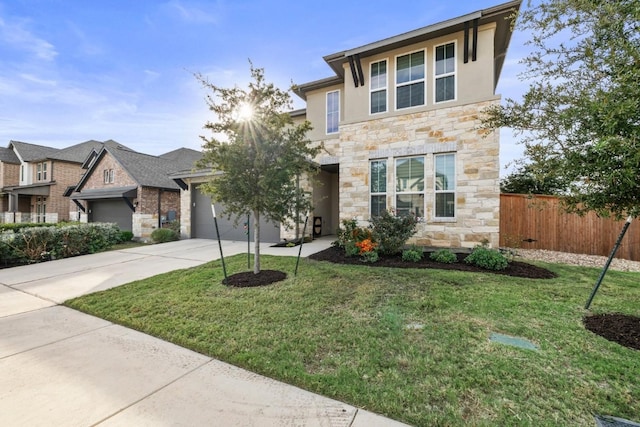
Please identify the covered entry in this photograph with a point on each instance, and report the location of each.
(202, 225)
(110, 205)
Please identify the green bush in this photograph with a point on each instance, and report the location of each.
(490, 259)
(370, 256)
(445, 256)
(163, 235)
(392, 232)
(412, 255)
(350, 233)
(126, 236)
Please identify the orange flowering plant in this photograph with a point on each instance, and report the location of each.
(366, 246)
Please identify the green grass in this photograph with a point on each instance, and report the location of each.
(341, 331)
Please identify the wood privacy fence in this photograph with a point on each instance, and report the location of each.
(538, 222)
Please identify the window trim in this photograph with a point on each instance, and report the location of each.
(108, 176)
(424, 187)
(385, 88)
(454, 73)
(436, 191)
(41, 171)
(423, 80)
(378, 193)
(326, 117)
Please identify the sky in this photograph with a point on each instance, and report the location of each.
(74, 70)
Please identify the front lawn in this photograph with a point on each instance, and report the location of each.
(410, 344)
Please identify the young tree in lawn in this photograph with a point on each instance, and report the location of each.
(581, 112)
(256, 153)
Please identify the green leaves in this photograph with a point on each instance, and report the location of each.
(581, 113)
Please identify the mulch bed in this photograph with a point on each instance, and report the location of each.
(515, 268)
(620, 328)
(248, 279)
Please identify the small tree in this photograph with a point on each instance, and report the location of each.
(532, 179)
(256, 153)
(581, 113)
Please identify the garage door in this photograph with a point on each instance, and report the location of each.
(111, 210)
(202, 225)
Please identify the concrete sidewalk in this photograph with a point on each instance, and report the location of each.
(62, 367)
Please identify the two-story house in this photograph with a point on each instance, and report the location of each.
(400, 124)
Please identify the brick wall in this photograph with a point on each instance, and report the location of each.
(64, 174)
(107, 162)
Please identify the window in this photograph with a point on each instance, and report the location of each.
(445, 88)
(108, 176)
(410, 80)
(378, 187)
(21, 173)
(41, 171)
(410, 186)
(378, 87)
(333, 111)
(445, 185)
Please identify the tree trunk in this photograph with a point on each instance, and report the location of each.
(256, 240)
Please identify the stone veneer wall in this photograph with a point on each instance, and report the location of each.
(442, 130)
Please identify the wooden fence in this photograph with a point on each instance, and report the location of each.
(538, 222)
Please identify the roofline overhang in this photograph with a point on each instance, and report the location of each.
(484, 16)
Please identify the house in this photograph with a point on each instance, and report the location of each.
(34, 180)
(130, 188)
(399, 121)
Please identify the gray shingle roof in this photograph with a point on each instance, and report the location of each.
(32, 152)
(7, 155)
(183, 158)
(77, 153)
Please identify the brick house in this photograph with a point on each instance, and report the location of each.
(399, 122)
(34, 179)
(129, 188)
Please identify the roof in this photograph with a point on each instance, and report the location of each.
(7, 155)
(77, 153)
(32, 152)
(184, 158)
(497, 14)
(146, 170)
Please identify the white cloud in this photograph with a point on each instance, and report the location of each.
(193, 13)
(15, 34)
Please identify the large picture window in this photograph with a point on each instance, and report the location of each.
(445, 87)
(333, 111)
(378, 87)
(410, 71)
(445, 185)
(378, 188)
(410, 186)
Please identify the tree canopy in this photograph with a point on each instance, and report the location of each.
(528, 179)
(257, 153)
(581, 112)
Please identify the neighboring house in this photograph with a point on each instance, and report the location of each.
(399, 121)
(34, 180)
(131, 189)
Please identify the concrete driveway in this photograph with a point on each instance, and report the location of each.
(62, 367)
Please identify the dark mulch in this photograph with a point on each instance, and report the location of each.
(620, 328)
(249, 279)
(515, 268)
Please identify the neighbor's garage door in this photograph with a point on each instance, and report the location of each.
(111, 210)
(204, 228)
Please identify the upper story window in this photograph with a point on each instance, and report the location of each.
(109, 176)
(41, 171)
(378, 187)
(445, 72)
(410, 72)
(333, 111)
(410, 186)
(378, 87)
(445, 185)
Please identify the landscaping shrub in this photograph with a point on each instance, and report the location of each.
(490, 259)
(412, 254)
(392, 232)
(350, 233)
(33, 244)
(126, 236)
(163, 235)
(445, 256)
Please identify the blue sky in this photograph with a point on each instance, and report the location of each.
(73, 70)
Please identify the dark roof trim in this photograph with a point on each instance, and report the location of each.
(106, 193)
